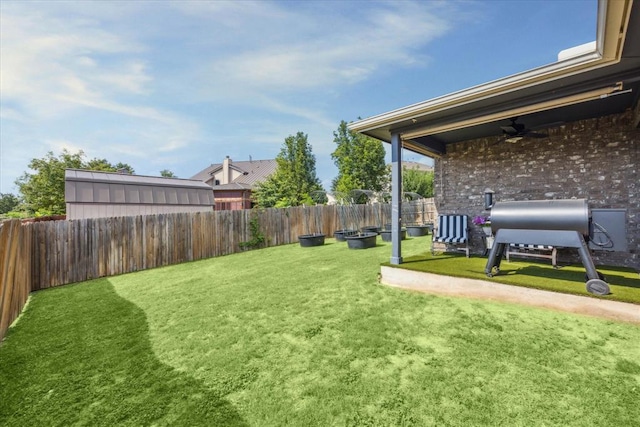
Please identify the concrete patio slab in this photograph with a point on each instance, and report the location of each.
(484, 289)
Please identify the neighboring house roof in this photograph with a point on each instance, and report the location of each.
(84, 186)
(232, 186)
(601, 82)
(251, 172)
(258, 170)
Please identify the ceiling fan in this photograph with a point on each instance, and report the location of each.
(514, 132)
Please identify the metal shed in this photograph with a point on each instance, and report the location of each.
(94, 194)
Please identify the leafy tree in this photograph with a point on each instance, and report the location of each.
(43, 190)
(417, 181)
(295, 176)
(100, 165)
(267, 193)
(123, 166)
(8, 202)
(104, 165)
(360, 162)
(167, 173)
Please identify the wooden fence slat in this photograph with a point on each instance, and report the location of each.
(9, 239)
(15, 271)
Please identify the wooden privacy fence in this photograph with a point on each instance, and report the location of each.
(41, 255)
(74, 251)
(15, 271)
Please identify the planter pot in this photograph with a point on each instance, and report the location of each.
(487, 230)
(370, 229)
(418, 230)
(362, 241)
(340, 235)
(386, 235)
(308, 240)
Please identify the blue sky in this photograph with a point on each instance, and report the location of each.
(180, 85)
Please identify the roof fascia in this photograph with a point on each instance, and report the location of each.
(220, 167)
(613, 19)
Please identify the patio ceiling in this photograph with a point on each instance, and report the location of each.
(592, 85)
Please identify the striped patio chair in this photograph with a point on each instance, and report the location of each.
(452, 230)
(534, 251)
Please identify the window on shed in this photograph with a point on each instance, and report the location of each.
(117, 193)
(183, 197)
(159, 196)
(84, 192)
(193, 196)
(101, 192)
(146, 195)
(132, 194)
(172, 196)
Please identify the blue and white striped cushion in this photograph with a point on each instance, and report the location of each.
(451, 229)
(528, 246)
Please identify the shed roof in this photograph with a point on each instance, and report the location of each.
(84, 186)
(605, 81)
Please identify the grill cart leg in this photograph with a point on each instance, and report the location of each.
(495, 256)
(595, 284)
(598, 287)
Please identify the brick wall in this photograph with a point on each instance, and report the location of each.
(595, 159)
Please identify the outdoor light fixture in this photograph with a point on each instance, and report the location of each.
(488, 199)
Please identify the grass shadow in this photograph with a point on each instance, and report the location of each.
(578, 274)
(419, 259)
(120, 382)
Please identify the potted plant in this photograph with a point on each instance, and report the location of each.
(416, 230)
(315, 238)
(362, 240)
(386, 234)
(484, 222)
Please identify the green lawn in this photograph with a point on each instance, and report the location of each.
(306, 337)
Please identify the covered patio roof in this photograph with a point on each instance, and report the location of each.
(602, 82)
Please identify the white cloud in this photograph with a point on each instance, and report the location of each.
(325, 51)
(47, 66)
(312, 115)
(58, 65)
(280, 56)
(142, 80)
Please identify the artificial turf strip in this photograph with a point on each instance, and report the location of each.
(624, 282)
(305, 336)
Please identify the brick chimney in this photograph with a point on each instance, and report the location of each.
(226, 172)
